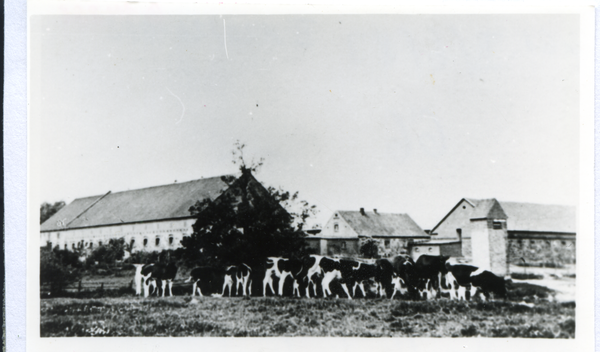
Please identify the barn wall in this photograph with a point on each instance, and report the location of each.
(91, 238)
(451, 249)
(539, 252)
(457, 219)
(489, 245)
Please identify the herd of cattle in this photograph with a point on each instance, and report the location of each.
(428, 277)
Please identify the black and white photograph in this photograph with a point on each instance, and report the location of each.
(404, 175)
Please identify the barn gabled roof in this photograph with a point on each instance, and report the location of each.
(526, 217)
(540, 217)
(147, 204)
(373, 224)
(488, 209)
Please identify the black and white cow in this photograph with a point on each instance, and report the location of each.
(313, 274)
(159, 273)
(427, 272)
(217, 281)
(139, 279)
(282, 268)
(469, 280)
(364, 273)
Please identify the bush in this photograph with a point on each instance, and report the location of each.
(58, 269)
(369, 248)
(108, 255)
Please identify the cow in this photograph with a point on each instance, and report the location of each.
(217, 281)
(364, 273)
(399, 286)
(314, 273)
(427, 289)
(427, 270)
(339, 270)
(208, 278)
(472, 280)
(139, 279)
(243, 278)
(281, 268)
(164, 273)
(487, 282)
(386, 273)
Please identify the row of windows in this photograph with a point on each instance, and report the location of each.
(121, 228)
(90, 245)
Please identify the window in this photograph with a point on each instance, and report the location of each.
(387, 243)
(416, 249)
(157, 241)
(145, 242)
(73, 245)
(464, 207)
(343, 244)
(66, 247)
(336, 227)
(170, 240)
(91, 245)
(132, 242)
(430, 249)
(497, 225)
(563, 243)
(532, 242)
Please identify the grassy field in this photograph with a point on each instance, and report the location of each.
(184, 316)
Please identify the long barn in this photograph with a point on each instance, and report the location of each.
(149, 219)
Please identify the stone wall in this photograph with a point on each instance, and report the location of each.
(540, 252)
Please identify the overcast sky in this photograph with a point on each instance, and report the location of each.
(403, 113)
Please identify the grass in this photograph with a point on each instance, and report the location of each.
(182, 316)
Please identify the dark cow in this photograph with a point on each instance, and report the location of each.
(470, 280)
(428, 269)
(338, 270)
(163, 273)
(364, 273)
(207, 279)
(217, 281)
(487, 282)
(386, 274)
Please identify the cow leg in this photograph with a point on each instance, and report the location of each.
(164, 287)
(170, 288)
(362, 288)
(282, 282)
(194, 288)
(345, 287)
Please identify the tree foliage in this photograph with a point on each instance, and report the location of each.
(47, 210)
(247, 223)
(369, 248)
(109, 253)
(58, 268)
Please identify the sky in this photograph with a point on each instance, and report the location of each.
(402, 113)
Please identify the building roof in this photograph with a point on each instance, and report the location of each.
(147, 204)
(488, 209)
(540, 217)
(373, 224)
(526, 217)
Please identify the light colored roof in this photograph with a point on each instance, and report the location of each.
(487, 209)
(382, 224)
(540, 217)
(146, 204)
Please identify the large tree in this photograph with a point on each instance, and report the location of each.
(47, 210)
(247, 223)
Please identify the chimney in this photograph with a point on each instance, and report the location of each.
(362, 211)
(375, 211)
